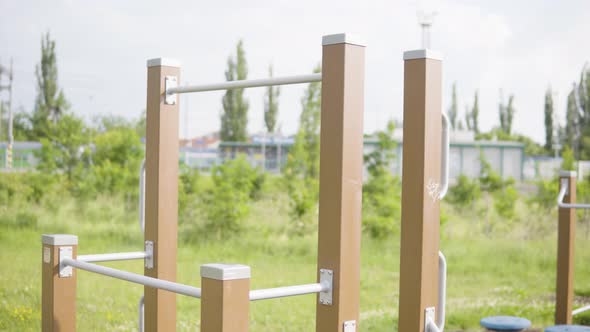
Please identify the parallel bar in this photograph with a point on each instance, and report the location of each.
(247, 83)
(135, 278)
(561, 195)
(161, 195)
(272, 293)
(117, 256)
(566, 234)
(581, 310)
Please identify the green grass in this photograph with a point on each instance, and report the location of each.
(509, 270)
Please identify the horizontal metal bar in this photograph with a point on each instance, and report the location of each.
(560, 197)
(135, 278)
(118, 256)
(272, 293)
(247, 83)
(581, 310)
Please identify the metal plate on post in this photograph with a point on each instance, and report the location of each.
(171, 82)
(64, 270)
(350, 326)
(326, 278)
(149, 250)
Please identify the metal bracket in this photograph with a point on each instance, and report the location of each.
(149, 250)
(64, 270)
(429, 314)
(170, 82)
(350, 326)
(564, 183)
(326, 278)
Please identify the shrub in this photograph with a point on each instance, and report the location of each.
(465, 192)
(505, 202)
(226, 203)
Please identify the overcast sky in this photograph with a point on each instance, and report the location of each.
(522, 47)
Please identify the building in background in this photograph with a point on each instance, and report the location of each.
(23, 155)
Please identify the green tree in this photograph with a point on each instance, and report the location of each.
(571, 122)
(382, 191)
(271, 105)
(234, 118)
(549, 120)
(453, 109)
(472, 116)
(568, 159)
(51, 103)
(506, 113)
(302, 169)
(65, 147)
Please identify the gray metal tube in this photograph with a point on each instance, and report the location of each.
(135, 278)
(561, 195)
(140, 320)
(142, 196)
(119, 256)
(271, 293)
(580, 310)
(442, 291)
(247, 84)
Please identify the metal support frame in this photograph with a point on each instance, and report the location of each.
(172, 88)
(118, 256)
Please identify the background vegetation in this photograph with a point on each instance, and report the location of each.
(499, 236)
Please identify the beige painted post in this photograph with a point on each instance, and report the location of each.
(565, 253)
(58, 294)
(341, 171)
(420, 188)
(225, 297)
(161, 200)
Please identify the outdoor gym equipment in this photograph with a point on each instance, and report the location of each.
(564, 290)
(505, 323)
(225, 288)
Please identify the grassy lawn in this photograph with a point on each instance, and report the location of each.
(503, 272)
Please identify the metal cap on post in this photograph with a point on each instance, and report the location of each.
(420, 189)
(161, 192)
(566, 228)
(225, 297)
(341, 171)
(58, 295)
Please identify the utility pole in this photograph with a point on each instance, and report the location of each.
(425, 20)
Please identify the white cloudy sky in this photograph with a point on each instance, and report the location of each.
(102, 46)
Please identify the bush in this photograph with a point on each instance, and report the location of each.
(226, 203)
(382, 205)
(505, 202)
(465, 192)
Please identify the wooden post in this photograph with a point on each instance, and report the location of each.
(420, 188)
(58, 295)
(565, 252)
(161, 207)
(225, 297)
(341, 171)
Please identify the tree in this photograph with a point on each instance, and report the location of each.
(506, 113)
(64, 146)
(472, 117)
(234, 118)
(51, 103)
(571, 122)
(303, 163)
(453, 110)
(549, 120)
(271, 105)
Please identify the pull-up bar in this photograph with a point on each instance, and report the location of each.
(286, 80)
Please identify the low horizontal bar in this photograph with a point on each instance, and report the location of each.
(247, 83)
(581, 310)
(561, 195)
(118, 256)
(135, 278)
(272, 293)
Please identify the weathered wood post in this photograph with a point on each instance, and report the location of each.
(564, 295)
(58, 295)
(225, 298)
(161, 199)
(341, 171)
(420, 188)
